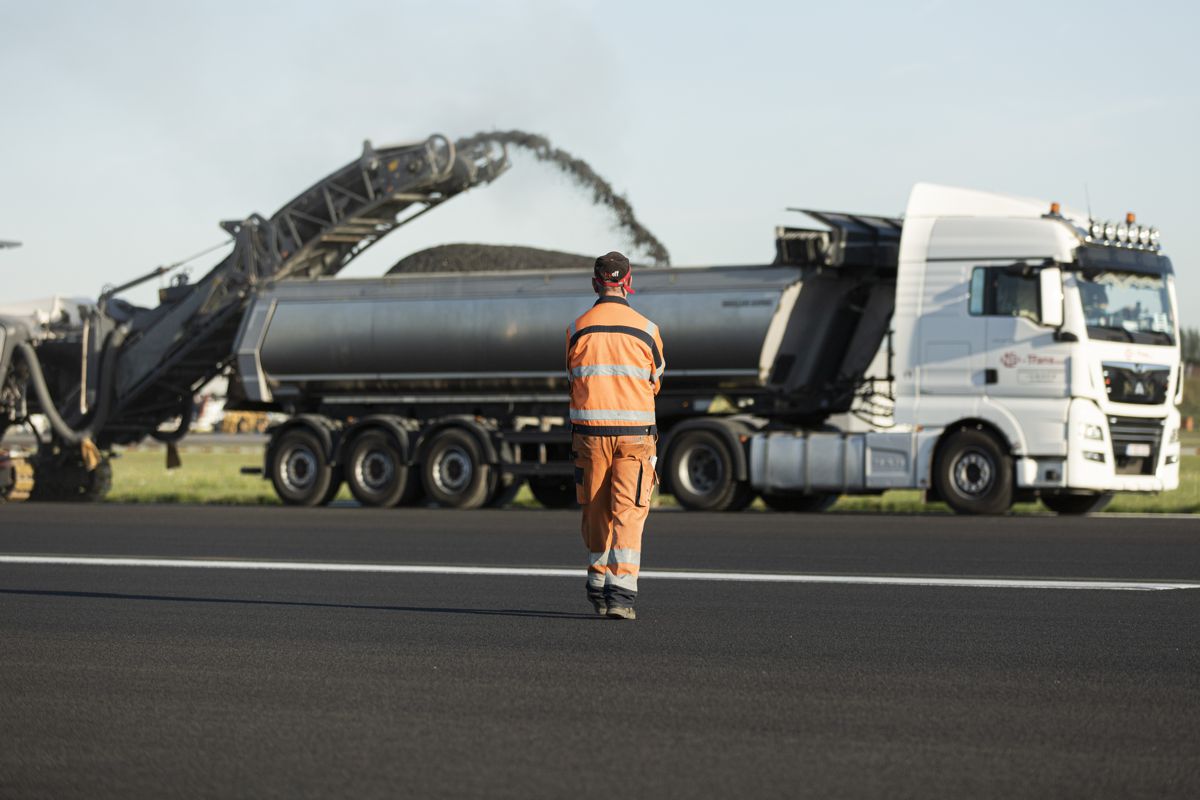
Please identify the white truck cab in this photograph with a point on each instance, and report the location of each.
(1035, 354)
(1051, 333)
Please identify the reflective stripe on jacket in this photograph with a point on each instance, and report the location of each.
(615, 366)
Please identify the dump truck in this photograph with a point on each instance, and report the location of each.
(982, 348)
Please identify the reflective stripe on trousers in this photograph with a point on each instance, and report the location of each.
(614, 481)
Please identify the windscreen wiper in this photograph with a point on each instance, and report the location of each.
(1117, 328)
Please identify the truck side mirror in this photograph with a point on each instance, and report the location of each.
(1050, 291)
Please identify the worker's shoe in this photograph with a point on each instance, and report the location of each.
(621, 612)
(600, 606)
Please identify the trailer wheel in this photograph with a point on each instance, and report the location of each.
(300, 471)
(335, 486)
(453, 471)
(504, 493)
(795, 502)
(974, 474)
(702, 473)
(375, 470)
(1076, 504)
(554, 491)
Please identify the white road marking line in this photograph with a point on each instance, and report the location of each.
(551, 572)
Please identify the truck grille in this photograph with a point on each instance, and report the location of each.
(1136, 383)
(1141, 433)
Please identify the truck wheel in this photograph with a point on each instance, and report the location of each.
(1076, 504)
(795, 502)
(453, 471)
(504, 490)
(554, 491)
(299, 469)
(375, 470)
(743, 498)
(974, 474)
(701, 471)
(335, 486)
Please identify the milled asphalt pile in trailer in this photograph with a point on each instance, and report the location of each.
(490, 258)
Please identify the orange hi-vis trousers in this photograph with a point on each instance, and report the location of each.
(614, 478)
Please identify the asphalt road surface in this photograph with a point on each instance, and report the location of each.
(760, 675)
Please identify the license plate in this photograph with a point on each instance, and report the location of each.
(1137, 450)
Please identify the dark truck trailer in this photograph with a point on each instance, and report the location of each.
(454, 385)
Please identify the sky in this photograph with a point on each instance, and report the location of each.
(129, 130)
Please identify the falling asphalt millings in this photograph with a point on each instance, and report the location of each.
(603, 193)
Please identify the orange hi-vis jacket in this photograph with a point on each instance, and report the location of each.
(615, 366)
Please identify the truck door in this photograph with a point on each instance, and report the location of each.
(1023, 358)
(951, 341)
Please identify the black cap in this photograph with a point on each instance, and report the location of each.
(611, 267)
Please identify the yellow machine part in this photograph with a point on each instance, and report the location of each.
(22, 485)
(244, 422)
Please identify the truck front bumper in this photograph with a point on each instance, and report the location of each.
(1100, 456)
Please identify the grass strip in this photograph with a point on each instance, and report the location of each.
(213, 477)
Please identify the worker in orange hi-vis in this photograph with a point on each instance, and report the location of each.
(615, 368)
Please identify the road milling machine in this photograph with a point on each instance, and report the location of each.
(122, 372)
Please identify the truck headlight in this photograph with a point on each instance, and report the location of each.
(1093, 432)
(1175, 435)
(1091, 455)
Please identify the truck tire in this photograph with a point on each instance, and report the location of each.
(335, 486)
(453, 471)
(375, 470)
(300, 470)
(505, 489)
(973, 473)
(1076, 504)
(554, 491)
(702, 473)
(795, 502)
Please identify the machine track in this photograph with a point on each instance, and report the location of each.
(22, 482)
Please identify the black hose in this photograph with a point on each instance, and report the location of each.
(60, 426)
(185, 424)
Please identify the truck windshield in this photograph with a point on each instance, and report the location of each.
(1127, 307)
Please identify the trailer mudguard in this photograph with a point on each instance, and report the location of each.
(325, 429)
(386, 422)
(482, 435)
